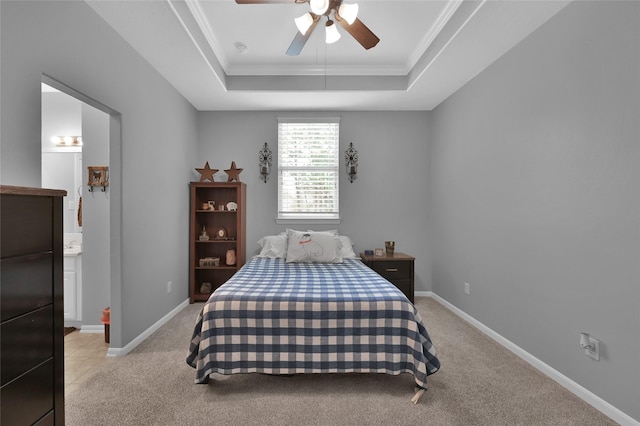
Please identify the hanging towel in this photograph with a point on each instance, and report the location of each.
(80, 212)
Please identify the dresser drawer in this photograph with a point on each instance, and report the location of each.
(28, 398)
(23, 230)
(393, 270)
(25, 284)
(26, 342)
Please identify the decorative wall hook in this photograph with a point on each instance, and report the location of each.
(351, 162)
(98, 176)
(265, 160)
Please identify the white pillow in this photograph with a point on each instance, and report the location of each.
(313, 247)
(273, 246)
(347, 248)
(328, 231)
(347, 244)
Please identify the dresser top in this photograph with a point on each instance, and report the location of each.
(23, 190)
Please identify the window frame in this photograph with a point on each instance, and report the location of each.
(313, 217)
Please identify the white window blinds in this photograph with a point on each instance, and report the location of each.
(308, 166)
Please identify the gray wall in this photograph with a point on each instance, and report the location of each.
(388, 200)
(70, 43)
(96, 246)
(534, 196)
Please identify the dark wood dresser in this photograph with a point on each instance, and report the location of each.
(31, 307)
(397, 269)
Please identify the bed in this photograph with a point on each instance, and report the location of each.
(279, 317)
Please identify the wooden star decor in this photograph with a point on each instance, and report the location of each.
(207, 172)
(233, 172)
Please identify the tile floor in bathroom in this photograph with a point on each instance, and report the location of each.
(84, 355)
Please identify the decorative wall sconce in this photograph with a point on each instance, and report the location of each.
(265, 160)
(67, 141)
(351, 162)
(98, 176)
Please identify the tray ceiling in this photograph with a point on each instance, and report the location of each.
(224, 56)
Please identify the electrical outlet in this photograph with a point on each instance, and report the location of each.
(169, 286)
(467, 288)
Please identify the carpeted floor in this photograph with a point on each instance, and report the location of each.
(480, 383)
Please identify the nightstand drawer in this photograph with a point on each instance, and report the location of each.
(393, 270)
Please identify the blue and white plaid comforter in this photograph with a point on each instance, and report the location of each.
(284, 318)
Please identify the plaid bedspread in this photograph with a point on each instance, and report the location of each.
(284, 318)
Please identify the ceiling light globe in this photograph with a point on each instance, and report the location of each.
(319, 7)
(332, 34)
(304, 23)
(348, 12)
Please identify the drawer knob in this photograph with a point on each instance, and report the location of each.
(392, 269)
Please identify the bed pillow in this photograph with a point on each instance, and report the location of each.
(313, 247)
(328, 231)
(347, 244)
(273, 246)
(347, 248)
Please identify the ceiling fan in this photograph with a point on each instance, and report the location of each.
(345, 14)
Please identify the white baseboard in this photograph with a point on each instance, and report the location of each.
(590, 398)
(148, 332)
(92, 328)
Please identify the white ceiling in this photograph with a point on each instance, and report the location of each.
(428, 50)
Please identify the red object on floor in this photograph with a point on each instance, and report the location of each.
(106, 320)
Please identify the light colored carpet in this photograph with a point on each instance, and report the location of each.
(480, 383)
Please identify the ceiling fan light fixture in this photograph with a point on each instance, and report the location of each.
(319, 7)
(348, 12)
(304, 23)
(332, 34)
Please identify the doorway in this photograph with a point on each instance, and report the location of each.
(91, 218)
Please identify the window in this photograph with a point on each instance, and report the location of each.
(308, 164)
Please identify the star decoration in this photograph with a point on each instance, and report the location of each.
(206, 173)
(233, 172)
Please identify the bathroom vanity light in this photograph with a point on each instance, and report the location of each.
(67, 141)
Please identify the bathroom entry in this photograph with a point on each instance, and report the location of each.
(74, 136)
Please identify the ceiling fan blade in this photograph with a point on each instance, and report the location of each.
(266, 1)
(301, 39)
(360, 32)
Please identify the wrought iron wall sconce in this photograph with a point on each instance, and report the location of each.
(351, 162)
(98, 176)
(265, 160)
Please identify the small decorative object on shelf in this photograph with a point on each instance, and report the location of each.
(231, 257)
(351, 162)
(265, 160)
(206, 172)
(212, 205)
(379, 252)
(98, 176)
(203, 235)
(221, 233)
(368, 252)
(205, 206)
(205, 288)
(209, 261)
(231, 206)
(233, 173)
(390, 247)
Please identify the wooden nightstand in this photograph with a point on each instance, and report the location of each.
(397, 268)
